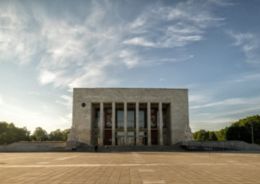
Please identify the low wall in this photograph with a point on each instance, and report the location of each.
(26, 146)
(34, 146)
(219, 146)
(128, 148)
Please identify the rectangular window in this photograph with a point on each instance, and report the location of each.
(142, 119)
(108, 118)
(142, 138)
(120, 138)
(120, 119)
(130, 119)
(130, 138)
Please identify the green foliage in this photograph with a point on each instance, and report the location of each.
(39, 134)
(10, 133)
(59, 135)
(240, 130)
(221, 134)
(203, 135)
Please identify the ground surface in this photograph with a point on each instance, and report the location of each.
(134, 168)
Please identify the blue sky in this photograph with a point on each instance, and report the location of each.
(48, 47)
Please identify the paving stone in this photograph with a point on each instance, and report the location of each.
(130, 168)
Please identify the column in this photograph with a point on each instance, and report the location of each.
(136, 123)
(149, 123)
(125, 121)
(160, 124)
(101, 123)
(113, 123)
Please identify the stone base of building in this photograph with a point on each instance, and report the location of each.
(89, 148)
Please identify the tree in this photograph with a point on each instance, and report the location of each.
(221, 134)
(203, 135)
(242, 129)
(59, 135)
(212, 136)
(39, 134)
(10, 133)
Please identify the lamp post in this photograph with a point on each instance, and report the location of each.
(252, 133)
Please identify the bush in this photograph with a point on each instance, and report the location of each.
(10, 133)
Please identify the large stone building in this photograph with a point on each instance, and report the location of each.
(130, 116)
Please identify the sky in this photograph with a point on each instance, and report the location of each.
(211, 47)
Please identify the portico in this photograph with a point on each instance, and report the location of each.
(130, 116)
(130, 123)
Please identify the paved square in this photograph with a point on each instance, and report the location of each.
(132, 167)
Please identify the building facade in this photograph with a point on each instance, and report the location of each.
(130, 116)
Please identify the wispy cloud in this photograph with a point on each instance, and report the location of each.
(248, 77)
(47, 77)
(233, 101)
(72, 52)
(177, 26)
(66, 101)
(214, 114)
(198, 98)
(1, 100)
(220, 119)
(102, 43)
(17, 43)
(139, 41)
(229, 102)
(44, 114)
(249, 44)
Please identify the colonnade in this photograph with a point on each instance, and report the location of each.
(137, 128)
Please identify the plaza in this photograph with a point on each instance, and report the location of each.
(130, 168)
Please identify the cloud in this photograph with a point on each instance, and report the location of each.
(232, 101)
(176, 26)
(229, 102)
(197, 98)
(17, 41)
(139, 41)
(215, 114)
(68, 51)
(1, 100)
(47, 77)
(248, 77)
(129, 58)
(220, 119)
(65, 100)
(44, 115)
(249, 44)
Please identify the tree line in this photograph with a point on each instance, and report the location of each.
(246, 129)
(9, 133)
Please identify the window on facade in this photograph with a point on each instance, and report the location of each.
(120, 138)
(120, 119)
(130, 119)
(97, 116)
(154, 118)
(131, 138)
(142, 138)
(142, 122)
(108, 118)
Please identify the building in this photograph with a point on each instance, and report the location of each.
(130, 116)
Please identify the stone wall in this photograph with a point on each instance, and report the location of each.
(219, 146)
(177, 98)
(35, 146)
